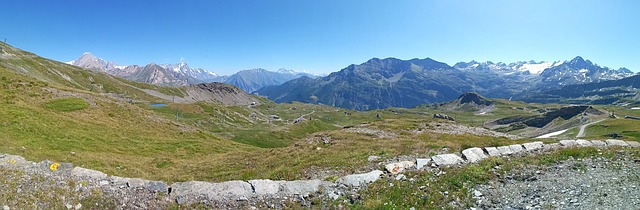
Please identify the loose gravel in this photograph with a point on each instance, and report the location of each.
(590, 183)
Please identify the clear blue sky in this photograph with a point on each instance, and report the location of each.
(324, 35)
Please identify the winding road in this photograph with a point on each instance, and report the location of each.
(583, 127)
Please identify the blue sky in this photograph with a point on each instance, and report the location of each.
(327, 35)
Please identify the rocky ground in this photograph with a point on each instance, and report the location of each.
(457, 129)
(591, 183)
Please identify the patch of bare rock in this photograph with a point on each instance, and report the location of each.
(457, 129)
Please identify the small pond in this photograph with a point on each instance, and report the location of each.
(158, 105)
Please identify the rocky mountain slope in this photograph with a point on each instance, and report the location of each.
(254, 79)
(390, 82)
(626, 90)
(163, 74)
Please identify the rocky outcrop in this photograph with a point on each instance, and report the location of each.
(473, 154)
(398, 167)
(360, 180)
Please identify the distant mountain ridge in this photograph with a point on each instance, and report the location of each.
(391, 82)
(254, 79)
(179, 74)
(625, 90)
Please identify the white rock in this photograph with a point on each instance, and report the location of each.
(492, 151)
(584, 143)
(119, 181)
(551, 146)
(301, 187)
(473, 154)
(598, 143)
(372, 158)
(78, 206)
(137, 183)
(532, 146)
(265, 187)
(401, 177)
(633, 143)
(398, 167)
(87, 173)
(421, 162)
(5, 207)
(614, 142)
(568, 143)
(516, 148)
(446, 159)
(477, 193)
(504, 150)
(224, 191)
(103, 182)
(359, 180)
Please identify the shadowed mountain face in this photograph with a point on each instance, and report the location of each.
(626, 90)
(378, 83)
(390, 82)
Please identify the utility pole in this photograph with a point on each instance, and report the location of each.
(177, 110)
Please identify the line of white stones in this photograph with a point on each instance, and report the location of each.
(230, 191)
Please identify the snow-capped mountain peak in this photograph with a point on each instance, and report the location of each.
(536, 67)
(179, 73)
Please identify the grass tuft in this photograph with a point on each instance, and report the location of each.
(67, 104)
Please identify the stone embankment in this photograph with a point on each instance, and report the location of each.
(264, 193)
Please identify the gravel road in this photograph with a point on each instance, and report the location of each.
(591, 183)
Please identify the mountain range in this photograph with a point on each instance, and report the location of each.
(181, 74)
(254, 79)
(391, 82)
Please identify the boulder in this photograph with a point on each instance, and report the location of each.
(119, 181)
(516, 148)
(504, 150)
(398, 167)
(265, 187)
(87, 173)
(373, 158)
(614, 142)
(157, 186)
(551, 146)
(359, 180)
(633, 143)
(446, 159)
(422, 162)
(598, 143)
(301, 187)
(14, 161)
(473, 154)
(568, 143)
(532, 146)
(224, 191)
(584, 143)
(136, 183)
(492, 151)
